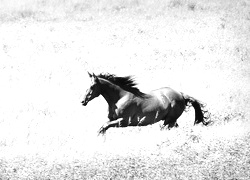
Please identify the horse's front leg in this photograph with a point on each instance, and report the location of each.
(115, 123)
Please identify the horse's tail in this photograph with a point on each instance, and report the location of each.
(201, 115)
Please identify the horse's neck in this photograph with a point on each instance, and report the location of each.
(111, 92)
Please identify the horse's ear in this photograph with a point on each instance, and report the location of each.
(95, 78)
(90, 75)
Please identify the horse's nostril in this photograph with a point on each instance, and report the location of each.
(84, 103)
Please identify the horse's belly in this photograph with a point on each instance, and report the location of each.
(150, 117)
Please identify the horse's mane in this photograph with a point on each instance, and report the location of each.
(127, 83)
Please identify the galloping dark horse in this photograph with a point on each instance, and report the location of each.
(128, 106)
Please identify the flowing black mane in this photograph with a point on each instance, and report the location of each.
(127, 83)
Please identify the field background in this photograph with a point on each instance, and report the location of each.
(201, 48)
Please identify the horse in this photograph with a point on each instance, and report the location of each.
(128, 106)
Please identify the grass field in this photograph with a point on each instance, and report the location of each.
(198, 47)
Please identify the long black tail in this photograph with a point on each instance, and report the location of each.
(201, 115)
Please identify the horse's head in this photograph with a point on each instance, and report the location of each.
(93, 91)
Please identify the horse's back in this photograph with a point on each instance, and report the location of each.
(168, 92)
(173, 97)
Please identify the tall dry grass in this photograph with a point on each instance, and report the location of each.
(80, 9)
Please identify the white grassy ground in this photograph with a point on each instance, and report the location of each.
(198, 47)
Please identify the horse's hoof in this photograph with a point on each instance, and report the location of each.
(101, 131)
(162, 127)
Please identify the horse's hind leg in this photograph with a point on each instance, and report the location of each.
(173, 115)
(171, 122)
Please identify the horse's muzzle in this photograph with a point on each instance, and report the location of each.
(84, 103)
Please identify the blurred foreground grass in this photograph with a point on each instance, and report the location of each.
(186, 153)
